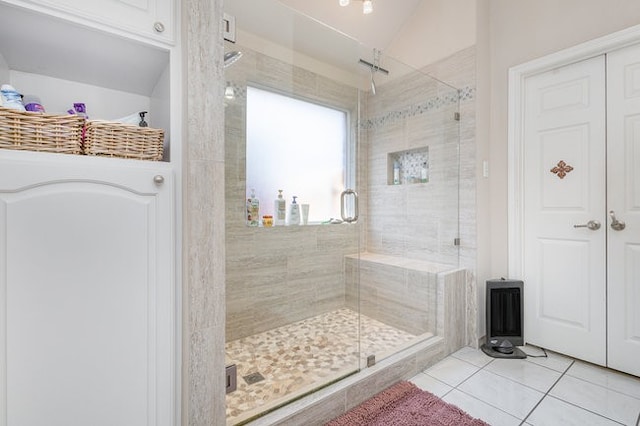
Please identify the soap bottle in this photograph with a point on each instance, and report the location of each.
(255, 209)
(396, 173)
(424, 174)
(294, 212)
(280, 209)
(142, 122)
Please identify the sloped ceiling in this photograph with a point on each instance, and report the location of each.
(376, 30)
(324, 31)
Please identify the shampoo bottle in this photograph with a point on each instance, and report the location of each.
(280, 209)
(254, 209)
(248, 209)
(294, 212)
(396, 173)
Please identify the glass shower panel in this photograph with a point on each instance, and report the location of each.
(291, 290)
(409, 135)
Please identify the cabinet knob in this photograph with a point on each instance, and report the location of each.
(159, 27)
(158, 179)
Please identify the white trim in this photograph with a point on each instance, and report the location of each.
(517, 76)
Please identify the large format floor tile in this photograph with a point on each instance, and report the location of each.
(549, 391)
(605, 402)
(512, 397)
(452, 371)
(473, 356)
(479, 409)
(554, 412)
(553, 360)
(610, 379)
(526, 373)
(429, 384)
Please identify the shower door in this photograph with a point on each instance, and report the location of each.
(410, 142)
(291, 289)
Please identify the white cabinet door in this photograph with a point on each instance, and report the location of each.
(623, 182)
(564, 174)
(87, 323)
(149, 18)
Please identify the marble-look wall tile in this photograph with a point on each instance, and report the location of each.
(375, 383)
(284, 274)
(413, 220)
(455, 308)
(203, 289)
(398, 296)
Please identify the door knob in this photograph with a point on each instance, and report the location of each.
(616, 225)
(158, 179)
(592, 225)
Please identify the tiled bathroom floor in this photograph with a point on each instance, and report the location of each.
(554, 391)
(299, 357)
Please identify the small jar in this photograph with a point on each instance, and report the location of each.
(267, 221)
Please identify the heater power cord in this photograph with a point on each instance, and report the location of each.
(537, 356)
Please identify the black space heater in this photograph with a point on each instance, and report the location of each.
(505, 317)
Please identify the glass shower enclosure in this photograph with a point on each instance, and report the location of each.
(375, 174)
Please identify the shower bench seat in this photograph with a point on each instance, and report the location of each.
(413, 295)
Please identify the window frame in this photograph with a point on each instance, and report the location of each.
(349, 154)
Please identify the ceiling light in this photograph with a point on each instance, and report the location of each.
(344, 2)
(367, 7)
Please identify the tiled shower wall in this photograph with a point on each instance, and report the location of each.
(279, 275)
(420, 220)
(413, 220)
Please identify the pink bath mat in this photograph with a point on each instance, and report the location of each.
(404, 404)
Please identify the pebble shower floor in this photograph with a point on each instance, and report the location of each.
(299, 357)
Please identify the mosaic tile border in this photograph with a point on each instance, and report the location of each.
(464, 94)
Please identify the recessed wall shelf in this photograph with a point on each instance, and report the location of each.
(408, 167)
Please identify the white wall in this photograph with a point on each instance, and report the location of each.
(58, 95)
(437, 29)
(483, 184)
(519, 31)
(4, 70)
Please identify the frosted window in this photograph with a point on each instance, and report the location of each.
(296, 146)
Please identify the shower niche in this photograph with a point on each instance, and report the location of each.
(408, 167)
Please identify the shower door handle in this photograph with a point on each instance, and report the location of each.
(343, 197)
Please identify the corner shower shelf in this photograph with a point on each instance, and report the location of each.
(410, 164)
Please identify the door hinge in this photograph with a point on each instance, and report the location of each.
(231, 373)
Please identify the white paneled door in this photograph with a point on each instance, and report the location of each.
(623, 204)
(564, 178)
(581, 242)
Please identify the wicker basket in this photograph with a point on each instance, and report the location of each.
(107, 138)
(33, 131)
